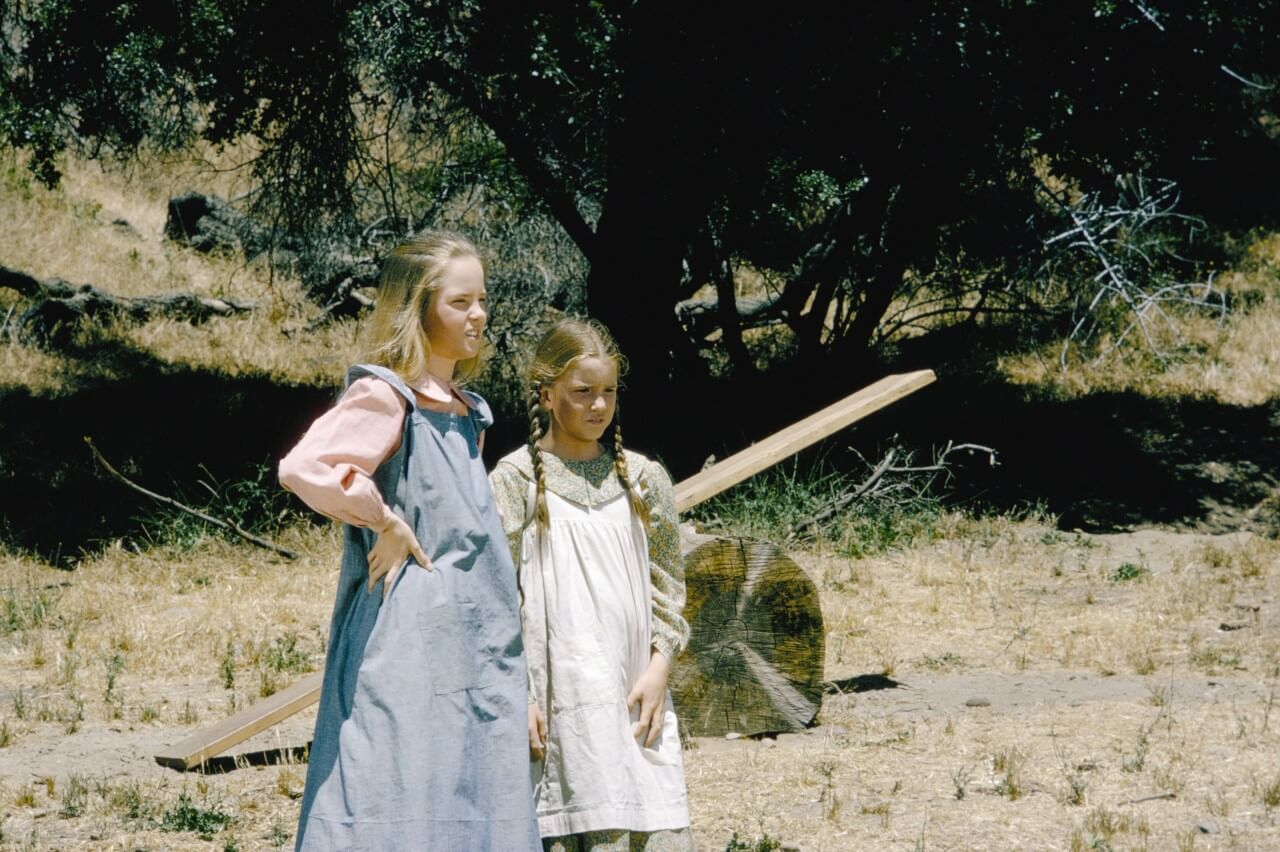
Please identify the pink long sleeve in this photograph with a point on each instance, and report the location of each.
(331, 467)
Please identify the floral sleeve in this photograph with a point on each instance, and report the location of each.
(666, 566)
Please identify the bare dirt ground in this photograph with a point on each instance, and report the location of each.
(1008, 686)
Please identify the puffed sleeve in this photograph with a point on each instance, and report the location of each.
(666, 567)
(331, 468)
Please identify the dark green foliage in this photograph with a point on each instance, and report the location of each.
(256, 504)
(863, 155)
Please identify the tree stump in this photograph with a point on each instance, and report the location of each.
(754, 663)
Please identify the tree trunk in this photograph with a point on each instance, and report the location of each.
(754, 663)
(659, 190)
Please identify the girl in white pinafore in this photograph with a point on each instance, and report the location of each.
(594, 533)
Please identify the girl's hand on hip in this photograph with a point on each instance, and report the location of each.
(396, 542)
(650, 692)
(537, 732)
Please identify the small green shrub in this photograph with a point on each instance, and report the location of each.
(1128, 571)
(763, 844)
(75, 798)
(284, 655)
(780, 505)
(256, 504)
(187, 816)
(25, 609)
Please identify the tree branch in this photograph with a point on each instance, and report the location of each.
(168, 501)
(883, 468)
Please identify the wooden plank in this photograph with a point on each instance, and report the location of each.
(210, 742)
(755, 458)
(237, 728)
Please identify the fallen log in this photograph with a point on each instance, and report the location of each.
(208, 223)
(58, 306)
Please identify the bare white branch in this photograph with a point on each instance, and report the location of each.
(1128, 239)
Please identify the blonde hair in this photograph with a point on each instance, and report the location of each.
(412, 272)
(565, 344)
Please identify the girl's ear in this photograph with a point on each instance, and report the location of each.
(544, 396)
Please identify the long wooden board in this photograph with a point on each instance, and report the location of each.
(237, 728)
(755, 458)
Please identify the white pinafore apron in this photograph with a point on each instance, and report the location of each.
(585, 615)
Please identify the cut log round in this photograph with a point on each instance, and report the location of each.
(754, 663)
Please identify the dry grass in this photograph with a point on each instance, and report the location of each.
(127, 653)
(1098, 688)
(1044, 696)
(69, 233)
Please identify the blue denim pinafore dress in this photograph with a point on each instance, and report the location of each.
(421, 740)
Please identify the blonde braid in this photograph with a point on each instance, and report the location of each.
(620, 465)
(540, 512)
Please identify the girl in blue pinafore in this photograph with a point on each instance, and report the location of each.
(422, 715)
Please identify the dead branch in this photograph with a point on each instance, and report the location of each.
(348, 302)
(57, 305)
(1126, 240)
(702, 317)
(883, 468)
(169, 501)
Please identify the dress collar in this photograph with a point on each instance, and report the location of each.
(438, 390)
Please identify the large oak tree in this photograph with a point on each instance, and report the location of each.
(848, 150)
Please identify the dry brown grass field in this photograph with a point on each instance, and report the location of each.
(1006, 685)
(1053, 691)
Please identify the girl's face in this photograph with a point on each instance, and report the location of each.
(582, 401)
(455, 316)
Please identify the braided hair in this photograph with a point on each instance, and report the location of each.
(564, 344)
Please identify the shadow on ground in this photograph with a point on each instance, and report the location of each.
(1107, 462)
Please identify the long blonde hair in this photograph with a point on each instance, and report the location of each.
(564, 344)
(413, 271)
